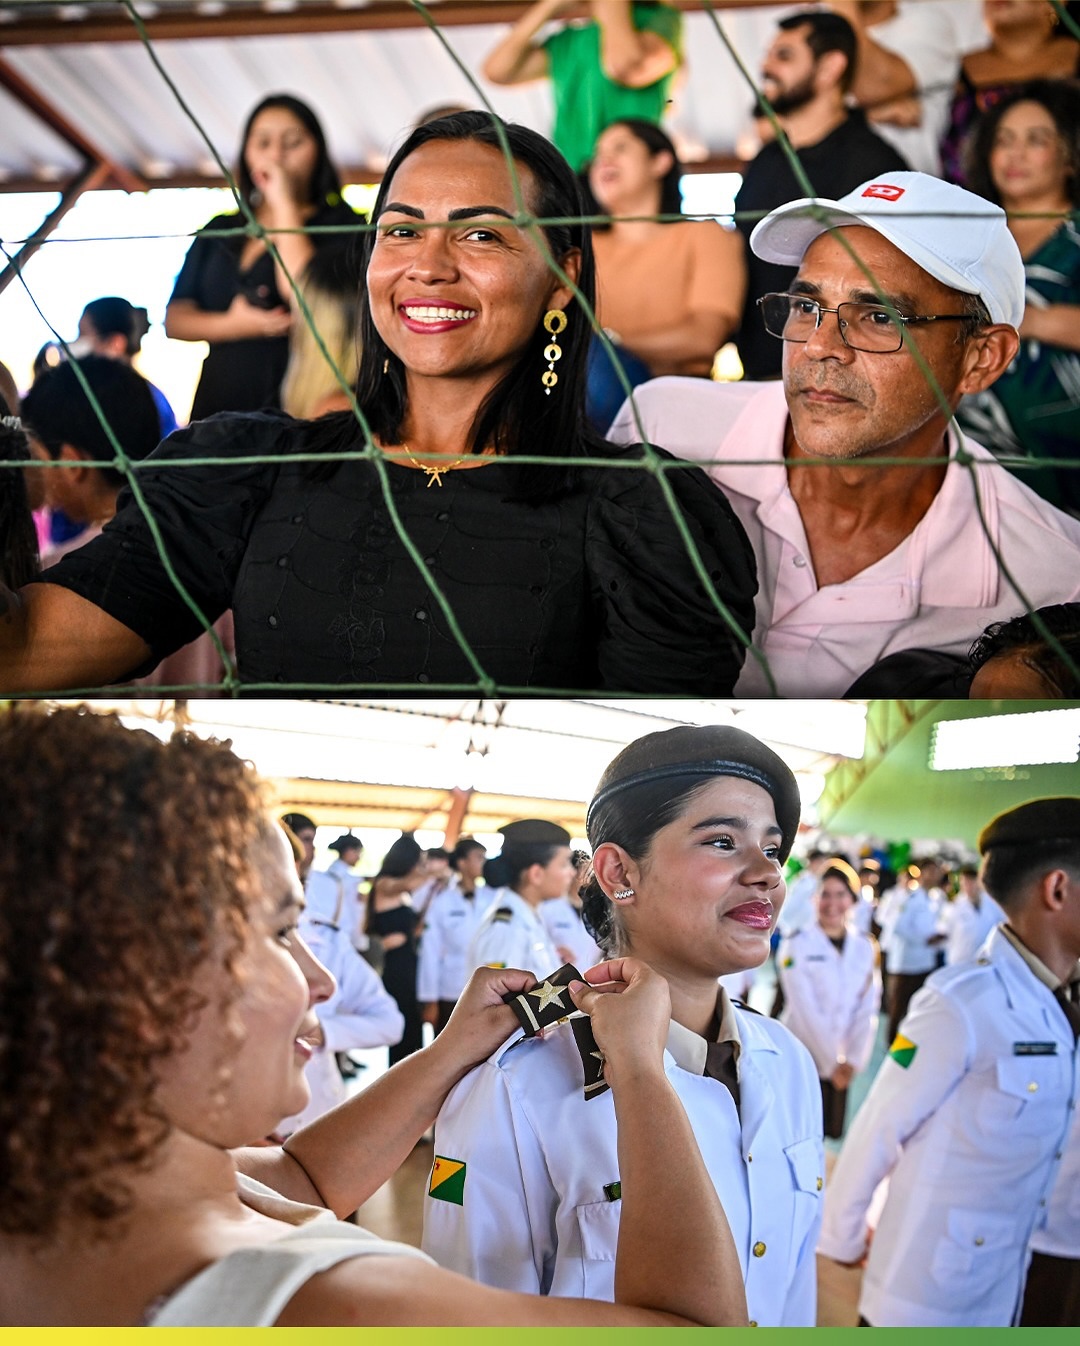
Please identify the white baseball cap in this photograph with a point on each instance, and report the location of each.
(957, 237)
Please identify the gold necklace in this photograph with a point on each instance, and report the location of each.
(433, 474)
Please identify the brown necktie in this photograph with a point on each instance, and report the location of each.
(1066, 998)
(720, 1065)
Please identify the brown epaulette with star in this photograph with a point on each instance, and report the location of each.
(549, 1003)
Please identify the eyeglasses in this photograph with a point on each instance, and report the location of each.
(863, 327)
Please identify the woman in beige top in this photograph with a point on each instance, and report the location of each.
(669, 291)
(157, 1006)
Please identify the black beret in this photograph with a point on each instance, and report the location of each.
(1055, 819)
(346, 842)
(534, 832)
(704, 750)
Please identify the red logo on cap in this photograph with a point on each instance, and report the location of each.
(885, 190)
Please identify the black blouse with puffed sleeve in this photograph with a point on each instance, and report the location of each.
(593, 590)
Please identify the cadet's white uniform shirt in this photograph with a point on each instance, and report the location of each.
(538, 1210)
(912, 923)
(970, 1114)
(966, 927)
(451, 921)
(566, 929)
(1059, 1236)
(511, 934)
(360, 1013)
(333, 895)
(831, 998)
(798, 908)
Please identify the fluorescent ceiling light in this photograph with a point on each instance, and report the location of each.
(1034, 739)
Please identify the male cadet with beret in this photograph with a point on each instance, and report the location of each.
(861, 555)
(973, 1107)
(533, 866)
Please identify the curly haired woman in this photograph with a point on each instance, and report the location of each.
(155, 1001)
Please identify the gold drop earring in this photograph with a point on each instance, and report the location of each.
(554, 322)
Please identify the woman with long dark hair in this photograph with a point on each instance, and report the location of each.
(560, 573)
(230, 291)
(391, 918)
(1025, 156)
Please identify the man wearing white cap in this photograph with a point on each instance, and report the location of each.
(901, 535)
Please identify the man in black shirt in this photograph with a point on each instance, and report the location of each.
(806, 74)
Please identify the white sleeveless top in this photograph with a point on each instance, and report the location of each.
(250, 1287)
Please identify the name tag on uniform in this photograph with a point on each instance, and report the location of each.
(815, 958)
(458, 914)
(1035, 1049)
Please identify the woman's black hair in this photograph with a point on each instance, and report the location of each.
(1020, 637)
(506, 868)
(516, 417)
(1061, 98)
(57, 411)
(401, 859)
(325, 186)
(465, 847)
(656, 141)
(630, 818)
(112, 315)
(19, 560)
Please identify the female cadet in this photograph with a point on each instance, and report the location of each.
(832, 992)
(449, 925)
(689, 829)
(533, 867)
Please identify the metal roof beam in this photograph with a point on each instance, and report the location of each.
(245, 21)
(92, 176)
(36, 103)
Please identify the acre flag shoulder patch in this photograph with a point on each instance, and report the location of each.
(903, 1051)
(447, 1180)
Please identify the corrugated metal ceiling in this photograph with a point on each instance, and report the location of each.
(368, 84)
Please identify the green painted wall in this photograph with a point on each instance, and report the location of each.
(893, 793)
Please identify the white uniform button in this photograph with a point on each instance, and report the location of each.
(758, 1250)
(799, 562)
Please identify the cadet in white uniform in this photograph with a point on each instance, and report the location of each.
(452, 918)
(337, 889)
(360, 1013)
(689, 830)
(971, 1112)
(911, 939)
(968, 918)
(831, 990)
(533, 867)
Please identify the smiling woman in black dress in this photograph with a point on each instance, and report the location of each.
(563, 575)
